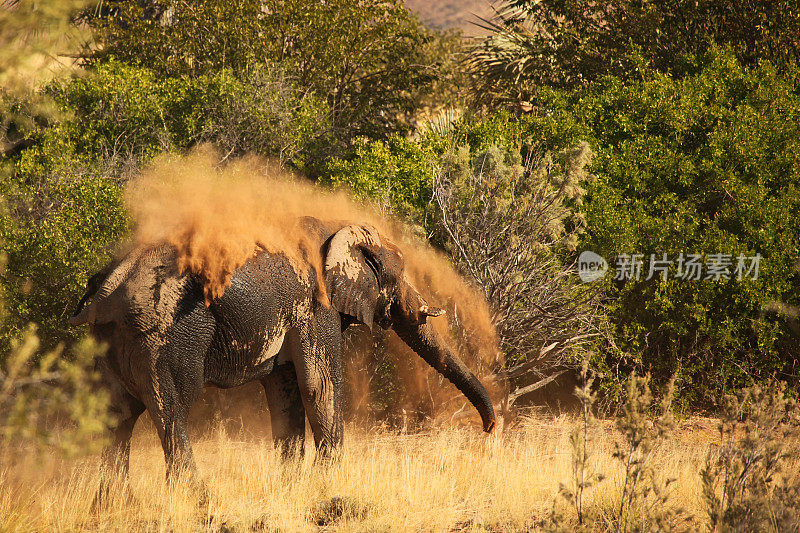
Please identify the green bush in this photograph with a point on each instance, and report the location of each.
(704, 164)
(125, 114)
(40, 390)
(566, 43)
(56, 229)
(395, 174)
(366, 58)
(398, 173)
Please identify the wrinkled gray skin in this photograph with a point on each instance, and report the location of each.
(165, 344)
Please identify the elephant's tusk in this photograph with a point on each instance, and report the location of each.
(428, 310)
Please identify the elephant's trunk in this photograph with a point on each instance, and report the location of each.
(423, 340)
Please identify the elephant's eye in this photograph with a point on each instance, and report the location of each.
(372, 263)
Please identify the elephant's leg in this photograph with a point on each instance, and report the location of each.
(116, 457)
(178, 453)
(176, 384)
(168, 403)
(125, 410)
(287, 415)
(170, 418)
(319, 374)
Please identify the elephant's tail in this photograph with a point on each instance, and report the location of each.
(100, 287)
(84, 314)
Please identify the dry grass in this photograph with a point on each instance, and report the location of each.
(448, 479)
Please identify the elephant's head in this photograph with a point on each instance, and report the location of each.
(365, 277)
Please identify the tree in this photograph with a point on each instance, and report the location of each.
(567, 43)
(507, 227)
(36, 387)
(702, 164)
(365, 58)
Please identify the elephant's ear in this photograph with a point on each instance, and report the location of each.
(352, 272)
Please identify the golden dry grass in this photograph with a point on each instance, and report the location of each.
(443, 480)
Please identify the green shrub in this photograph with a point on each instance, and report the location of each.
(58, 226)
(706, 164)
(395, 174)
(703, 164)
(41, 389)
(366, 58)
(124, 115)
(566, 43)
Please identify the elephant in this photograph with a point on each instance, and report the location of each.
(166, 341)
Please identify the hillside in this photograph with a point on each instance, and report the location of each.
(445, 14)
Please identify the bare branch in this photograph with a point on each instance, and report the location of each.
(506, 225)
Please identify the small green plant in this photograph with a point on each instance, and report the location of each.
(583, 478)
(748, 482)
(644, 502)
(51, 400)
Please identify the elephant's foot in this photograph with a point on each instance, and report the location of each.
(291, 448)
(114, 492)
(189, 482)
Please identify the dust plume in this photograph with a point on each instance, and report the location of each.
(218, 216)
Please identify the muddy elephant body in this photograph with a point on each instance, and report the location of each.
(277, 322)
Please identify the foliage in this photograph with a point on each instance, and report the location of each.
(567, 43)
(447, 88)
(749, 482)
(39, 392)
(58, 227)
(395, 174)
(507, 226)
(31, 34)
(30, 220)
(39, 399)
(704, 164)
(126, 114)
(708, 164)
(365, 58)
